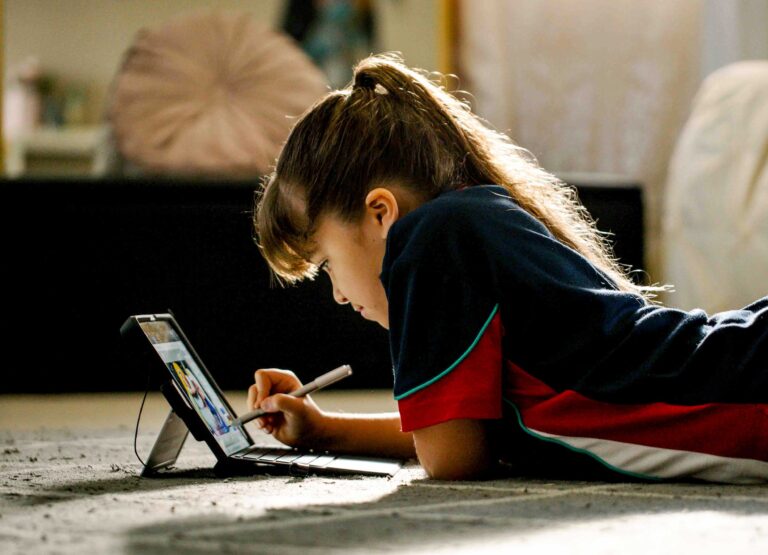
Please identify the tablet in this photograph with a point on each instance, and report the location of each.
(157, 343)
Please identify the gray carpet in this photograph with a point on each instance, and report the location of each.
(74, 488)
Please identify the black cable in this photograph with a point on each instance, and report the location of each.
(138, 419)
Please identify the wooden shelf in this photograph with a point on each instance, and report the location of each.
(66, 151)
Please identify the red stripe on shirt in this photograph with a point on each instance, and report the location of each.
(470, 390)
(722, 429)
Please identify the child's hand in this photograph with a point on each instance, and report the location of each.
(295, 421)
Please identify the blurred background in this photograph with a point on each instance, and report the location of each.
(135, 132)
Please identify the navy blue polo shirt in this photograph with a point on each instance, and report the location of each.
(491, 317)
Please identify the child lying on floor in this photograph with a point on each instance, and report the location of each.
(516, 338)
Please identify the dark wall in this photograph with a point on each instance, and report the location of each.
(82, 255)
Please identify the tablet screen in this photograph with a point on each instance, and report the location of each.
(194, 384)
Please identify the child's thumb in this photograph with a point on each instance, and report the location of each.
(280, 402)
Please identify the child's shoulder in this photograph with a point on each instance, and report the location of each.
(477, 209)
(469, 199)
(460, 225)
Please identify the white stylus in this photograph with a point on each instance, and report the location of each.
(318, 383)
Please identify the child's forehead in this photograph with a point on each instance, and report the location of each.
(330, 225)
(329, 229)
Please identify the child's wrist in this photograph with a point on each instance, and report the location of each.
(324, 436)
(328, 435)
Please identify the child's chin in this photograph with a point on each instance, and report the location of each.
(373, 318)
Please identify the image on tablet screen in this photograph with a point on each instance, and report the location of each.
(194, 384)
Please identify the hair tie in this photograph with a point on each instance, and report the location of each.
(367, 82)
(364, 81)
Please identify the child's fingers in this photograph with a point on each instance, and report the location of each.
(263, 385)
(280, 402)
(269, 393)
(264, 421)
(268, 424)
(284, 381)
(273, 380)
(252, 396)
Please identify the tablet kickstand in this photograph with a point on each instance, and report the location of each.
(167, 446)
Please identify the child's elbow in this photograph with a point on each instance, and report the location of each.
(455, 470)
(454, 450)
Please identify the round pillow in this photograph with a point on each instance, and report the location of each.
(212, 93)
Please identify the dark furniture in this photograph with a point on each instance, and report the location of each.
(81, 255)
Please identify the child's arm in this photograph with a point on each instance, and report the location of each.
(299, 422)
(453, 450)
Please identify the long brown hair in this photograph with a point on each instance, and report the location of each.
(393, 124)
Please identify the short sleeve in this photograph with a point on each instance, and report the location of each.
(445, 325)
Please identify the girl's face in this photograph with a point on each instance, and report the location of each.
(352, 255)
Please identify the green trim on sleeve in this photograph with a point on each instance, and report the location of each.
(455, 364)
(578, 450)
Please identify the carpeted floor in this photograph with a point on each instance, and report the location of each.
(69, 483)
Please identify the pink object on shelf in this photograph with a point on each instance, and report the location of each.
(211, 93)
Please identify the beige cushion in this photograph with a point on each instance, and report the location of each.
(210, 93)
(716, 214)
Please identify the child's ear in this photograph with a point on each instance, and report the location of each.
(382, 209)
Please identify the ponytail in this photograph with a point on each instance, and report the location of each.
(393, 124)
